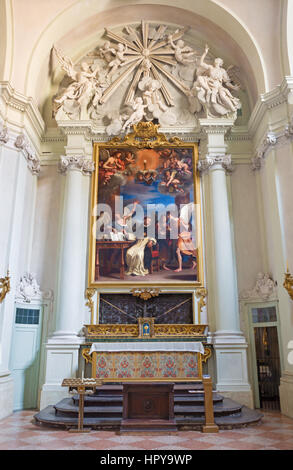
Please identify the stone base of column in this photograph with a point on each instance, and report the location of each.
(286, 393)
(62, 361)
(6, 394)
(231, 365)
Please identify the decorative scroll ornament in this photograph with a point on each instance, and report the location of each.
(145, 294)
(4, 286)
(3, 134)
(33, 161)
(258, 160)
(264, 289)
(288, 283)
(207, 353)
(225, 161)
(76, 162)
(143, 60)
(85, 354)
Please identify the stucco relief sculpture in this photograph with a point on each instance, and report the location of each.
(28, 288)
(85, 86)
(3, 134)
(140, 64)
(211, 89)
(264, 289)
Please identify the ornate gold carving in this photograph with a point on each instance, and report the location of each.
(85, 354)
(109, 330)
(132, 331)
(201, 294)
(207, 353)
(179, 330)
(288, 283)
(90, 303)
(145, 294)
(145, 134)
(4, 286)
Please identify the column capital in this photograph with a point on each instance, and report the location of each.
(221, 161)
(76, 162)
(216, 126)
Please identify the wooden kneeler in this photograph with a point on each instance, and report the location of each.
(210, 425)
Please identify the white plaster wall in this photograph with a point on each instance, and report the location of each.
(45, 251)
(246, 225)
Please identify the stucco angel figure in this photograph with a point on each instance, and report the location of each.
(183, 53)
(107, 52)
(119, 58)
(151, 96)
(76, 97)
(138, 113)
(211, 89)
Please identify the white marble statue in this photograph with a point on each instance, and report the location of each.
(76, 97)
(211, 90)
(151, 96)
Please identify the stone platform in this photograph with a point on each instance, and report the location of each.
(103, 410)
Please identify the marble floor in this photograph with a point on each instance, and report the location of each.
(17, 432)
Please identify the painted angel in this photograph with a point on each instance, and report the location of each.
(82, 88)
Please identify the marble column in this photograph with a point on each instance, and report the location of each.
(229, 343)
(62, 349)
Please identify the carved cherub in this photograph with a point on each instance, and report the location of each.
(119, 58)
(182, 52)
(139, 112)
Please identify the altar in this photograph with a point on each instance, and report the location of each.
(176, 361)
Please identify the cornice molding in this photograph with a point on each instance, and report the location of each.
(270, 140)
(268, 101)
(25, 105)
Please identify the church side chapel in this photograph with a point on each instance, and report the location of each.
(146, 224)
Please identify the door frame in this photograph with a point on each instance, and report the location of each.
(251, 326)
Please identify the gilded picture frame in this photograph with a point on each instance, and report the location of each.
(142, 145)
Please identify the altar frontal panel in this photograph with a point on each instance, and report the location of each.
(173, 366)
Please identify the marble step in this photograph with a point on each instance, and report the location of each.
(92, 400)
(48, 417)
(226, 407)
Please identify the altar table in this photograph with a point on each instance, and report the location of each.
(177, 361)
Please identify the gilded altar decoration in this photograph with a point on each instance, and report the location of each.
(90, 303)
(288, 283)
(4, 286)
(207, 353)
(85, 354)
(146, 327)
(145, 294)
(201, 294)
(145, 223)
(159, 331)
